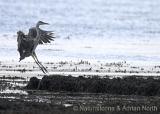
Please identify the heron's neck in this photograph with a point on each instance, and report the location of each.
(37, 26)
(37, 29)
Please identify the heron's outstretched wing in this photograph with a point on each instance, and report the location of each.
(25, 45)
(24, 42)
(21, 41)
(46, 36)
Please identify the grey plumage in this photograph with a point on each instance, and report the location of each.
(28, 43)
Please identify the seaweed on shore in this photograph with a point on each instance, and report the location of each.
(122, 86)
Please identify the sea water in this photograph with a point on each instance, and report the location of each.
(100, 30)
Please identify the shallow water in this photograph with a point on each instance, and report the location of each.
(109, 30)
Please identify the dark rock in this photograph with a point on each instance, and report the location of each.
(123, 86)
(33, 83)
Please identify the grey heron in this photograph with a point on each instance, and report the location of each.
(27, 43)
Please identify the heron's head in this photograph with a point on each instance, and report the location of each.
(41, 23)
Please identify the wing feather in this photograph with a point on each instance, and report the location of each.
(46, 36)
(25, 44)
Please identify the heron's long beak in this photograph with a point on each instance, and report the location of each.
(43, 23)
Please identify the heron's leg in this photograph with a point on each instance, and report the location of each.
(39, 65)
(39, 62)
(40, 68)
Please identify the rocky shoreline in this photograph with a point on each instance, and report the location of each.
(133, 85)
